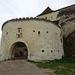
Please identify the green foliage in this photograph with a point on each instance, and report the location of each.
(63, 66)
(4, 60)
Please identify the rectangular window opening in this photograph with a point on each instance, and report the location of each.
(19, 30)
(38, 32)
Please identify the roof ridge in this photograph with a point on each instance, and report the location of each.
(55, 10)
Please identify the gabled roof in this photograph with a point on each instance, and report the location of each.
(46, 11)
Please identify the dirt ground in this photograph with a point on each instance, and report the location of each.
(22, 67)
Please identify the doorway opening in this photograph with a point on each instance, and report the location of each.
(19, 51)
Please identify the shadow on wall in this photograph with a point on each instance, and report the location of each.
(69, 46)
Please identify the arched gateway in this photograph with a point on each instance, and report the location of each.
(19, 50)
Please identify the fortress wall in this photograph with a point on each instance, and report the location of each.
(41, 37)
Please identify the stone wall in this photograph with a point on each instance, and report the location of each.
(67, 20)
(50, 16)
(69, 46)
(41, 37)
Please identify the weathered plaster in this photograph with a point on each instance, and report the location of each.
(49, 42)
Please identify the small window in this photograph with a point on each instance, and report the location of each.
(38, 32)
(58, 50)
(51, 51)
(47, 31)
(56, 33)
(19, 35)
(45, 17)
(19, 30)
(43, 51)
(33, 30)
(6, 32)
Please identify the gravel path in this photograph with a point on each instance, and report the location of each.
(21, 67)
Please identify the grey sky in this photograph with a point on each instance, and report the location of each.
(28, 8)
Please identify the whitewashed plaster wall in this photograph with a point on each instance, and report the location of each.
(48, 40)
(50, 16)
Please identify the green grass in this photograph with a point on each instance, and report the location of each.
(60, 67)
(4, 60)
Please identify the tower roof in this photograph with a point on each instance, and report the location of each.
(46, 11)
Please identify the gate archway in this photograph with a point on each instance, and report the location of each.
(19, 50)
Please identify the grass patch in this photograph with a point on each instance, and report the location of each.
(4, 60)
(60, 67)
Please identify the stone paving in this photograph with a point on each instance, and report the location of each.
(22, 67)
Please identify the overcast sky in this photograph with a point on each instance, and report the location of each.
(28, 8)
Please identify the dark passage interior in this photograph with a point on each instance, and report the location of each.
(20, 51)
